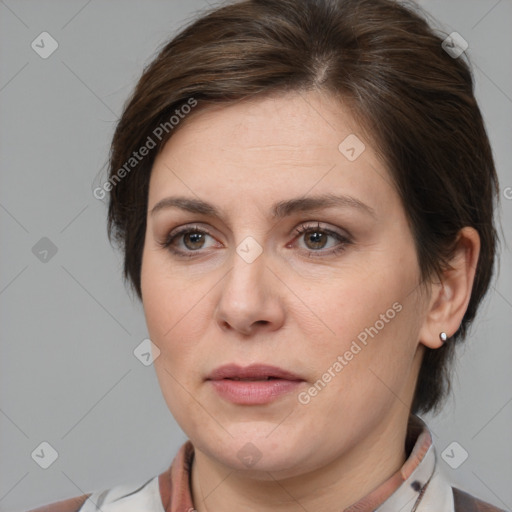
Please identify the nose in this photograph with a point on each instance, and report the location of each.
(250, 299)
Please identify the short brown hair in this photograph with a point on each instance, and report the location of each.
(413, 99)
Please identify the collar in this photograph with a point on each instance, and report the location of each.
(405, 488)
(415, 487)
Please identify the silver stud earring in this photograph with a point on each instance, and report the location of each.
(443, 337)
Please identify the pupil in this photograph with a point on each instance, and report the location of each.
(195, 239)
(316, 238)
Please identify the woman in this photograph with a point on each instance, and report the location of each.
(303, 191)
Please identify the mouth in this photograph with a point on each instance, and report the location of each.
(253, 385)
(252, 379)
(254, 372)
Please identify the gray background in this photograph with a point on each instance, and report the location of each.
(69, 328)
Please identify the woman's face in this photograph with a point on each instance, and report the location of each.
(254, 271)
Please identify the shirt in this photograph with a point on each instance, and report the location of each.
(418, 486)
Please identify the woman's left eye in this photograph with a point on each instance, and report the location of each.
(316, 240)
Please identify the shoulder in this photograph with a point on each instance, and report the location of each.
(166, 491)
(132, 497)
(69, 505)
(464, 502)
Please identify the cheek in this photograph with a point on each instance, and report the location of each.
(354, 303)
(162, 310)
(168, 306)
(174, 308)
(165, 295)
(373, 326)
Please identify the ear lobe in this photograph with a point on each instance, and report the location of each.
(450, 297)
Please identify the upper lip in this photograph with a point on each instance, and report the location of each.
(254, 371)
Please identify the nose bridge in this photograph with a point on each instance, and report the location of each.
(245, 283)
(247, 295)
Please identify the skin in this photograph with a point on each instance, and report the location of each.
(295, 306)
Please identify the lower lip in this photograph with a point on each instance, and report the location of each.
(254, 392)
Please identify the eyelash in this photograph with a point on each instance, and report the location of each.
(343, 239)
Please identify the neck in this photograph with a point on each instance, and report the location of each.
(333, 487)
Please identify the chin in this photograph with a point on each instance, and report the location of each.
(257, 450)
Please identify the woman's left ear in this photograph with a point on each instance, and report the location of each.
(449, 298)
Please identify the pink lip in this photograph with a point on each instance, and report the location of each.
(258, 389)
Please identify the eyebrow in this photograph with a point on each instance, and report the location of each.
(280, 209)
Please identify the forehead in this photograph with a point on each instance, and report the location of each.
(294, 123)
(290, 144)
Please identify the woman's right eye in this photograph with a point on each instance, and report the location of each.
(186, 240)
